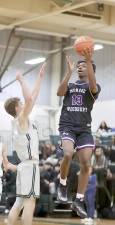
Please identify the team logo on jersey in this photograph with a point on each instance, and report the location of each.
(77, 100)
(65, 133)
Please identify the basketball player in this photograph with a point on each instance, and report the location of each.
(26, 145)
(75, 126)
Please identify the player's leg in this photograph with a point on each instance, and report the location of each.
(68, 148)
(15, 210)
(84, 159)
(28, 211)
(85, 145)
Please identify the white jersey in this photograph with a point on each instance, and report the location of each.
(26, 144)
(1, 171)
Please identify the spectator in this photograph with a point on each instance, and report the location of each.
(103, 129)
(100, 168)
(99, 162)
(47, 176)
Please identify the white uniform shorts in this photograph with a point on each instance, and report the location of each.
(28, 179)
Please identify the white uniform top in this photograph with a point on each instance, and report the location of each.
(1, 171)
(26, 144)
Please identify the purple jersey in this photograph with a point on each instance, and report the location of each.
(77, 105)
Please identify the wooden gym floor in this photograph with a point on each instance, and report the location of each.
(56, 221)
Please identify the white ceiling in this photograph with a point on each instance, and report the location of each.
(43, 24)
(61, 17)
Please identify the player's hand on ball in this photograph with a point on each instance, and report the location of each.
(87, 53)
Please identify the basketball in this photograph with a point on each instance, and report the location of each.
(82, 43)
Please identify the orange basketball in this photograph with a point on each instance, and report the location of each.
(83, 42)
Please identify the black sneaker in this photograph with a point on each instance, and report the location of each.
(62, 193)
(78, 206)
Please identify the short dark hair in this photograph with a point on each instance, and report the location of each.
(84, 61)
(10, 105)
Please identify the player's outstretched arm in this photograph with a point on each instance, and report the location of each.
(33, 96)
(24, 86)
(91, 75)
(62, 89)
(38, 82)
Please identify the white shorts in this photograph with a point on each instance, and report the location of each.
(28, 179)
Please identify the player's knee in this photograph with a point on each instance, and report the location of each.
(85, 167)
(68, 156)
